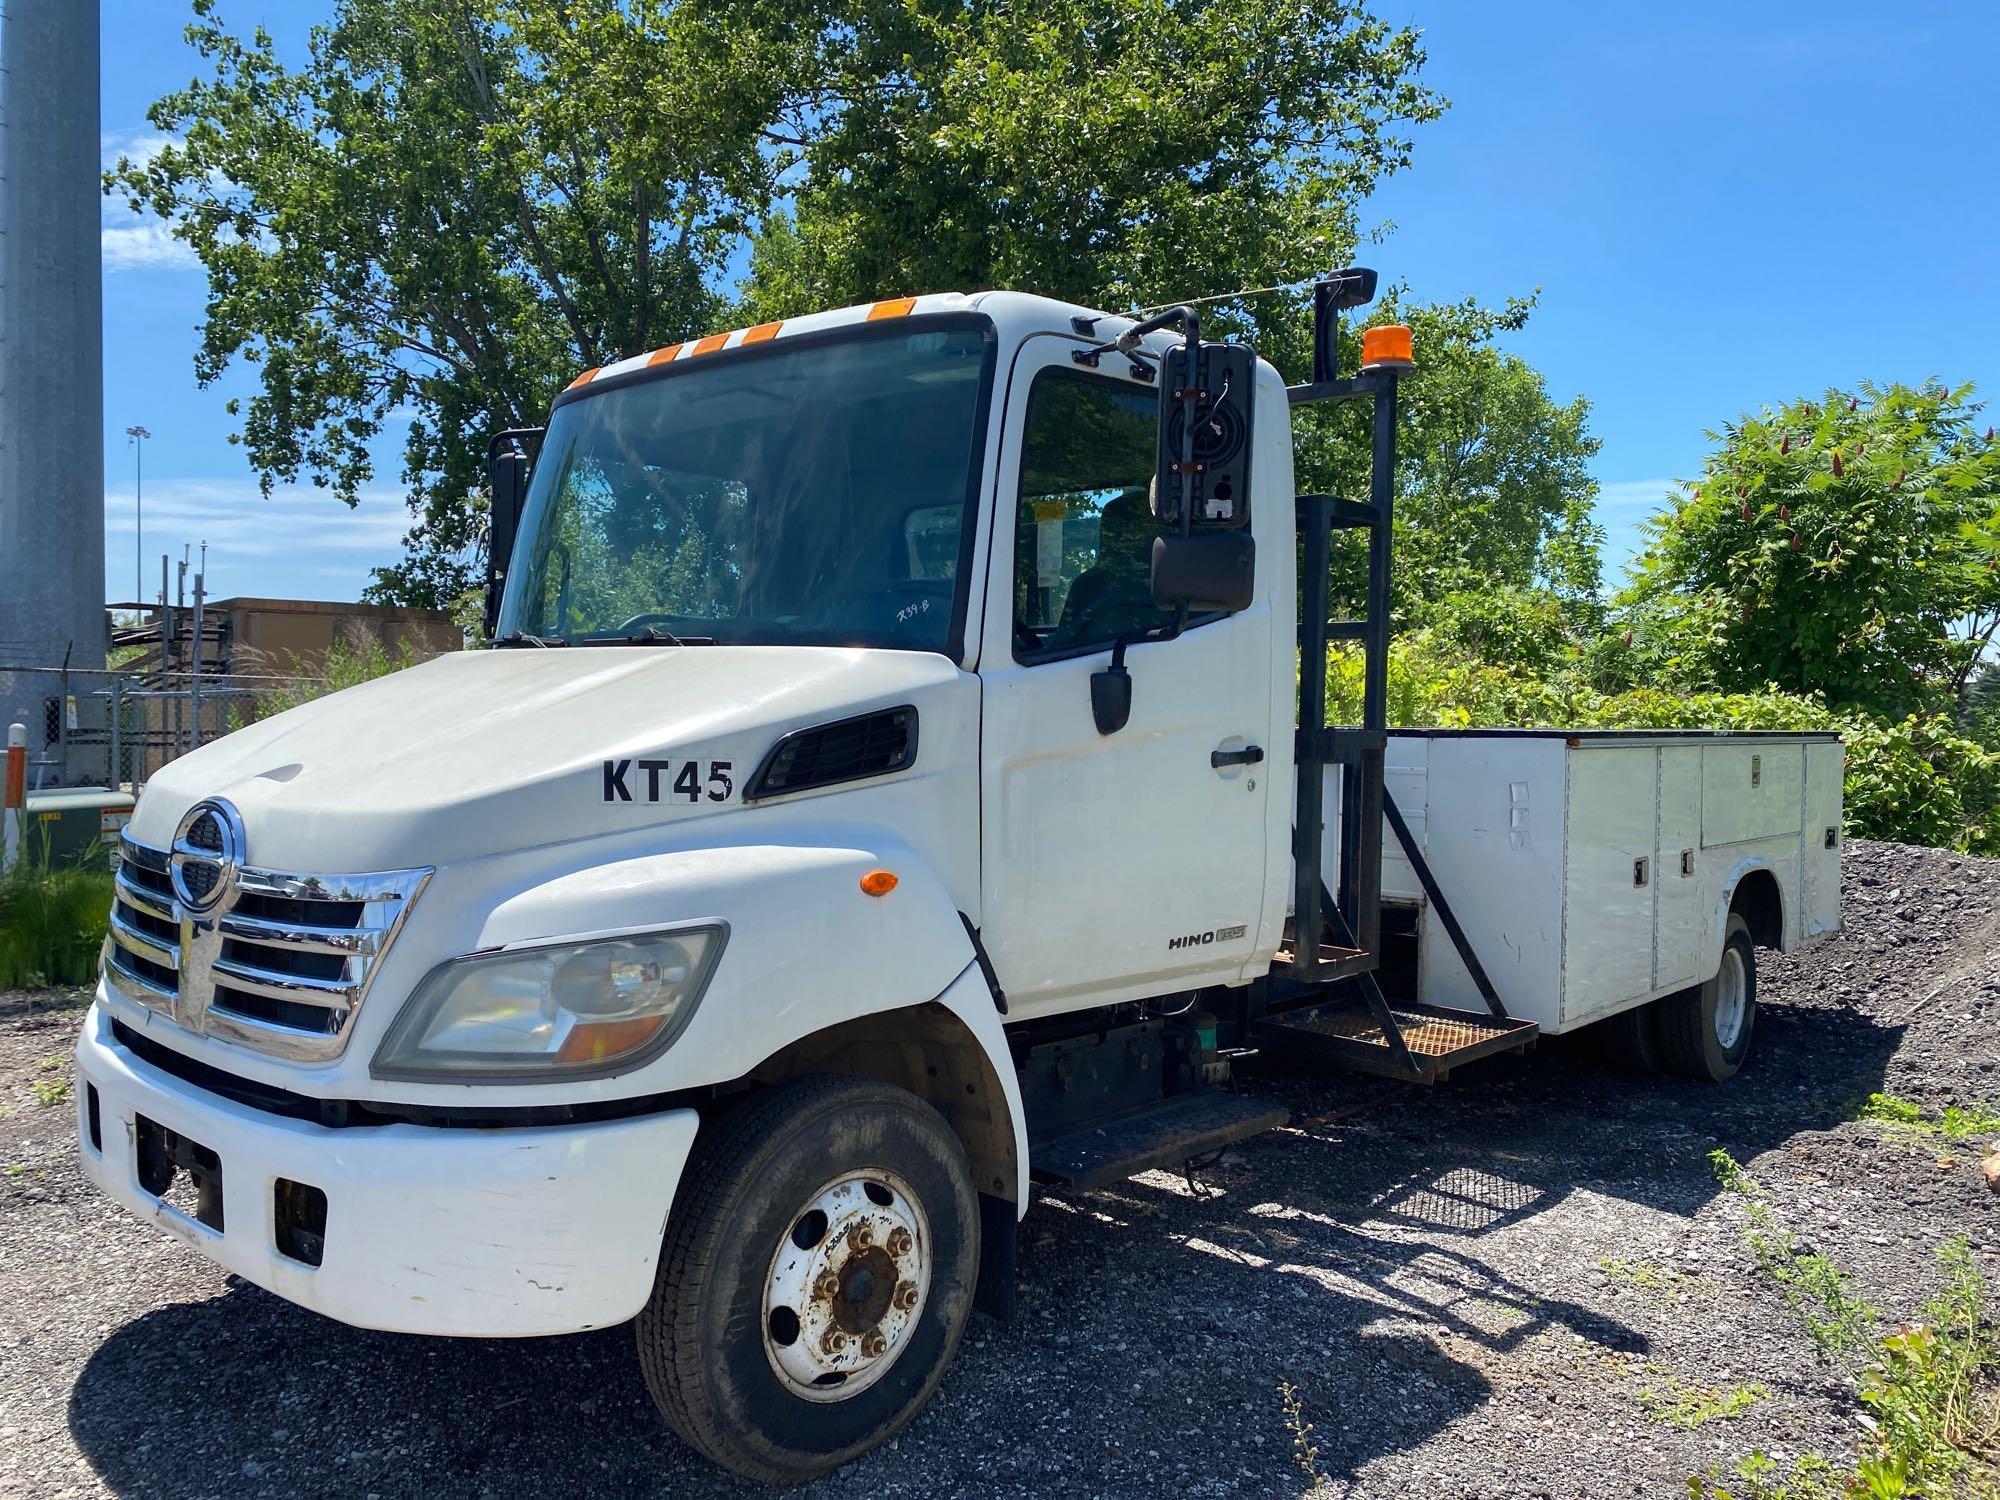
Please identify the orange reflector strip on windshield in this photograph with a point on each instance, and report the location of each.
(895, 307)
(583, 379)
(761, 332)
(661, 356)
(878, 883)
(710, 344)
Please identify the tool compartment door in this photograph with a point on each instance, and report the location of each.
(1822, 837)
(1609, 879)
(1750, 791)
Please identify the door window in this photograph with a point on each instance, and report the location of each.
(1083, 524)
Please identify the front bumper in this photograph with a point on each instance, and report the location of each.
(481, 1233)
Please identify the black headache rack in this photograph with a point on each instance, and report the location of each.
(1324, 997)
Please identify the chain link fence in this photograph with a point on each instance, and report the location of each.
(115, 728)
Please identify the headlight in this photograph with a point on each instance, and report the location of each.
(553, 1012)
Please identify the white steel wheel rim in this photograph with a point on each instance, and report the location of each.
(1732, 999)
(847, 1285)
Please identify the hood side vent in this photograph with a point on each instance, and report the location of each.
(872, 744)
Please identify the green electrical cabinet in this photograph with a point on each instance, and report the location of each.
(75, 825)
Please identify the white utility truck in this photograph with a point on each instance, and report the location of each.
(900, 781)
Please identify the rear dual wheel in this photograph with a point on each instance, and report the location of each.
(817, 1272)
(1702, 1032)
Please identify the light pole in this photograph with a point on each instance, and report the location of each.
(137, 436)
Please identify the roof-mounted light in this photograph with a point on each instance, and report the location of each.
(1388, 346)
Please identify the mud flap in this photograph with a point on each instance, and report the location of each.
(998, 1228)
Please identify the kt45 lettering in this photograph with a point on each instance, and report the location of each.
(667, 780)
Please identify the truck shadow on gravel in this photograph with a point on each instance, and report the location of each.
(1390, 1264)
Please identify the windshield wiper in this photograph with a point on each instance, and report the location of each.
(652, 635)
(516, 639)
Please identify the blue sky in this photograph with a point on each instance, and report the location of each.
(1723, 206)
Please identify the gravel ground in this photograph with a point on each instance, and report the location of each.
(1468, 1287)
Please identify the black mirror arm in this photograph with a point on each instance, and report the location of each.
(516, 438)
(1128, 343)
(1111, 686)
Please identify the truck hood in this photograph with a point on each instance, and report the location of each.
(480, 752)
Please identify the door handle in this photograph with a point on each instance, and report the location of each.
(1249, 755)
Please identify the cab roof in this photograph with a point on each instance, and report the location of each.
(1015, 314)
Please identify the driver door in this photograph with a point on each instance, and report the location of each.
(1123, 865)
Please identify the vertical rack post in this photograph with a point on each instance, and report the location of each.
(1316, 557)
(1360, 751)
(1365, 921)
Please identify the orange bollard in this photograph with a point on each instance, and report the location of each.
(17, 766)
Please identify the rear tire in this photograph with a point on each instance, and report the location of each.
(820, 1183)
(1632, 1038)
(1704, 1032)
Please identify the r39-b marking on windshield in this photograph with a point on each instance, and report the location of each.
(667, 780)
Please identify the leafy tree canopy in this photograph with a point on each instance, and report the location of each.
(1496, 545)
(1830, 547)
(447, 211)
(1496, 487)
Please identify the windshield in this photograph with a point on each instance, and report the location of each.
(809, 493)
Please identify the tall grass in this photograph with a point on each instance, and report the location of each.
(346, 664)
(52, 919)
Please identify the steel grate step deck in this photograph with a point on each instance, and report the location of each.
(1156, 1135)
(1438, 1039)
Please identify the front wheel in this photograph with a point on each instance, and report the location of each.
(817, 1273)
(1704, 1032)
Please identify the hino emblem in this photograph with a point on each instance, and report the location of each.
(207, 855)
(1203, 939)
(203, 867)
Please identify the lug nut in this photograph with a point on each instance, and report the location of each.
(833, 1342)
(861, 1236)
(827, 1287)
(906, 1296)
(900, 1242)
(873, 1344)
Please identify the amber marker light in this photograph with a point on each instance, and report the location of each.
(878, 883)
(1387, 347)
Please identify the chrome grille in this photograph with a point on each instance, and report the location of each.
(281, 964)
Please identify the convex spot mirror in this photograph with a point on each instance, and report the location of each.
(1208, 571)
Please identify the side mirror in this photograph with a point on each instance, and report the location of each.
(1207, 571)
(507, 479)
(1210, 387)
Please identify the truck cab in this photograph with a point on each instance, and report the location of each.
(885, 774)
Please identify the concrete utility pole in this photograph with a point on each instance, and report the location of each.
(51, 352)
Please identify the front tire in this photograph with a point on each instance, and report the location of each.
(1704, 1032)
(817, 1272)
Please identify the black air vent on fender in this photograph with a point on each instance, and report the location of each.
(845, 750)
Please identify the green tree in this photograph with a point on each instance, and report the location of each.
(1981, 714)
(1828, 548)
(1496, 485)
(450, 210)
(1114, 152)
(1496, 543)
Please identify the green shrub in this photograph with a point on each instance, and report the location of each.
(1930, 1387)
(346, 665)
(52, 921)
